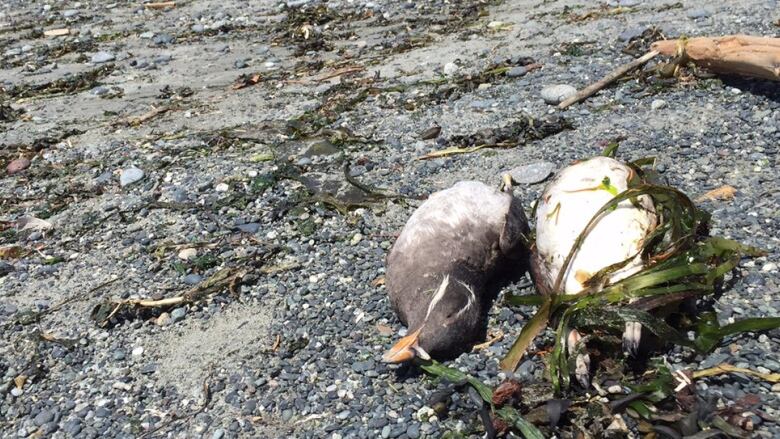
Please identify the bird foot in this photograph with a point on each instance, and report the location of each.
(632, 335)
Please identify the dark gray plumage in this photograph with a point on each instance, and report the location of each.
(440, 267)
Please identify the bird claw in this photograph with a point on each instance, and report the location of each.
(632, 335)
(581, 361)
(582, 370)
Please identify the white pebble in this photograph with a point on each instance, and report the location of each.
(222, 187)
(658, 104)
(769, 266)
(450, 68)
(137, 352)
(188, 253)
(356, 239)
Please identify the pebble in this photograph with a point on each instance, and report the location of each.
(532, 172)
(44, 417)
(251, 228)
(5, 268)
(218, 434)
(555, 94)
(178, 314)
(137, 351)
(698, 13)
(188, 253)
(102, 57)
(769, 266)
(17, 165)
(221, 187)
(16, 391)
(198, 28)
(450, 68)
(657, 104)
(192, 279)
(130, 176)
(163, 319)
(516, 72)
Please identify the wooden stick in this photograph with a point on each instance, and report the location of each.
(609, 79)
(732, 54)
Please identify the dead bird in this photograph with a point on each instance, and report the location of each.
(441, 267)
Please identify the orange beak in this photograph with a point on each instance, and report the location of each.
(406, 349)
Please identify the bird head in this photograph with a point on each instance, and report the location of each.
(450, 321)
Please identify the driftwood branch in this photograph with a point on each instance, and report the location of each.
(607, 80)
(733, 54)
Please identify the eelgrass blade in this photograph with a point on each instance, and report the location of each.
(531, 329)
(435, 368)
(528, 430)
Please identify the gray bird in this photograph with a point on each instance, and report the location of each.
(440, 268)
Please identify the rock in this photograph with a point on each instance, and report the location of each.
(628, 34)
(100, 91)
(102, 57)
(218, 434)
(657, 104)
(178, 314)
(5, 268)
(769, 266)
(163, 39)
(251, 228)
(17, 165)
(16, 391)
(137, 351)
(130, 176)
(516, 72)
(163, 319)
(450, 68)
(532, 173)
(240, 64)
(698, 13)
(188, 253)
(198, 28)
(321, 147)
(192, 279)
(555, 94)
(44, 417)
(222, 187)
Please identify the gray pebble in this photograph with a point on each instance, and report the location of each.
(178, 314)
(102, 57)
(516, 72)
(249, 228)
(532, 172)
(44, 417)
(5, 268)
(554, 94)
(218, 433)
(698, 13)
(130, 176)
(198, 28)
(657, 104)
(192, 279)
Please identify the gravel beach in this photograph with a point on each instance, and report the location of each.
(146, 148)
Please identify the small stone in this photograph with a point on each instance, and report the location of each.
(218, 433)
(16, 391)
(698, 13)
(769, 266)
(532, 172)
(163, 319)
(356, 239)
(198, 29)
(555, 94)
(251, 228)
(178, 314)
(138, 351)
(44, 417)
(130, 176)
(657, 104)
(516, 72)
(192, 279)
(119, 355)
(628, 34)
(240, 64)
(5, 268)
(221, 187)
(615, 389)
(386, 431)
(188, 253)
(776, 388)
(17, 165)
(162, 39)
(413, 431)
(102, 57)
(450, 68)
